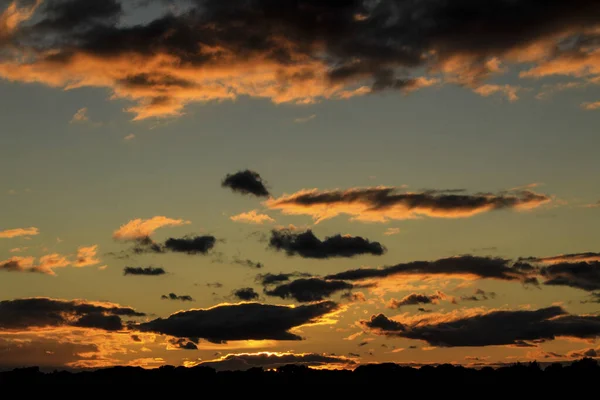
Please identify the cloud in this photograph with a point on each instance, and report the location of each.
(245, 294)
(392, 231)
(302, 120)
(297, 53)
(584, 353)
(307, 245)
(591, 106)
(191, 245)
(17, 353)
(215, 285)
(41, 312)
(380, 204)
(580, 275)
(173, 296)
(80, 116)
(129, 137)
(183, 344)
(566, 258)
(245, 361)
(252, 217)
(17, 264)
(466, 266)
(307, 290)
(414, 299)
(248, 263)
(86, 256)
(13, 233)
(481, 329)
(270, 279)
(148, 271)
(246, 182)
(19, 249)
(246, 321)
(507, 90)
(143, 228)
(479, 295)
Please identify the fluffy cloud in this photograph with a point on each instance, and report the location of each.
(143, 228)
(12, 233)
(295, 52)
(252, 217)
(414, 299)
(307, 290)
(246, 321)
(245, 361)
(246, 182)
(43, 312)
(245, 294)
(86, 256)
(380, 204)
(461, 267)
(507, 90)
(481, 329)
(148, 271)
(307, 245)
(173, 296)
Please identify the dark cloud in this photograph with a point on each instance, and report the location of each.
(173, 296)
(248, 263)
(242, 362)
(190, 245)
(580, 275)
(483, 329)
(183, 344)
(479, 295)
(307, 245)
(214, 285)
(306, 290)
(148, 271)
(566, 258)
(246, 182)
(248, 321)
(136, 338)
(480, 267)
(45, 312)
(304, 50)
(362, 344)
(245, 294)
(271, 279)
(16, 353)
(379, 204)
(354, 355)
(414, 299)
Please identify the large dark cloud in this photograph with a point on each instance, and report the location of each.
(173, 296)
(480, 267)
(379, 204)
(246, 182)
(147, 271)
(244, 361)
(580, 275)
(191, 245)
(306, 290)
(45, 312)
(414, 299)
(245, 294)
(246, 321)
(307, 245)
(492, 328)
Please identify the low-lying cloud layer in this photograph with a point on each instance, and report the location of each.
(173, 296)
(245, 294)
(491, 328)
(380, 204)
(307, 245)
(246, 321)
(245, 361)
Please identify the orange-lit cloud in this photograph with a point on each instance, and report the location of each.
(392, 231)
(17, 264)
(509, 91)
(80, 116)
(13, 16)
(86, 256)
(252, 217)
(142, 228)
(380, 204)
(19, 249)
(591, 106)
(12, 233)
(272, 360)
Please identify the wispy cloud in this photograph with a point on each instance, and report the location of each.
(80, 116)
(302, 120)
(12, 233)
(142, 228)
(252, 217)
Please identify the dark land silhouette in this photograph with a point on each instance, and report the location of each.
(582, 372)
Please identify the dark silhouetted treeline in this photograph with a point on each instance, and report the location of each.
(583, 371)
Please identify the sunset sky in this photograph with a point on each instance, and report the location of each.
(334, 182)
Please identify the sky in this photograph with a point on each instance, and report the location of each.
(331, 183)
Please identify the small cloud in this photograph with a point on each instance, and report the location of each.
(129, 137)
(142, 228)
(103, 267)
(591, 106)
(392, 231)
(252, 217)
(302, 120)
(19, 249)
(12, 192)
(593, 205)
(507, 90)
(80, 116)
(12, 233)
